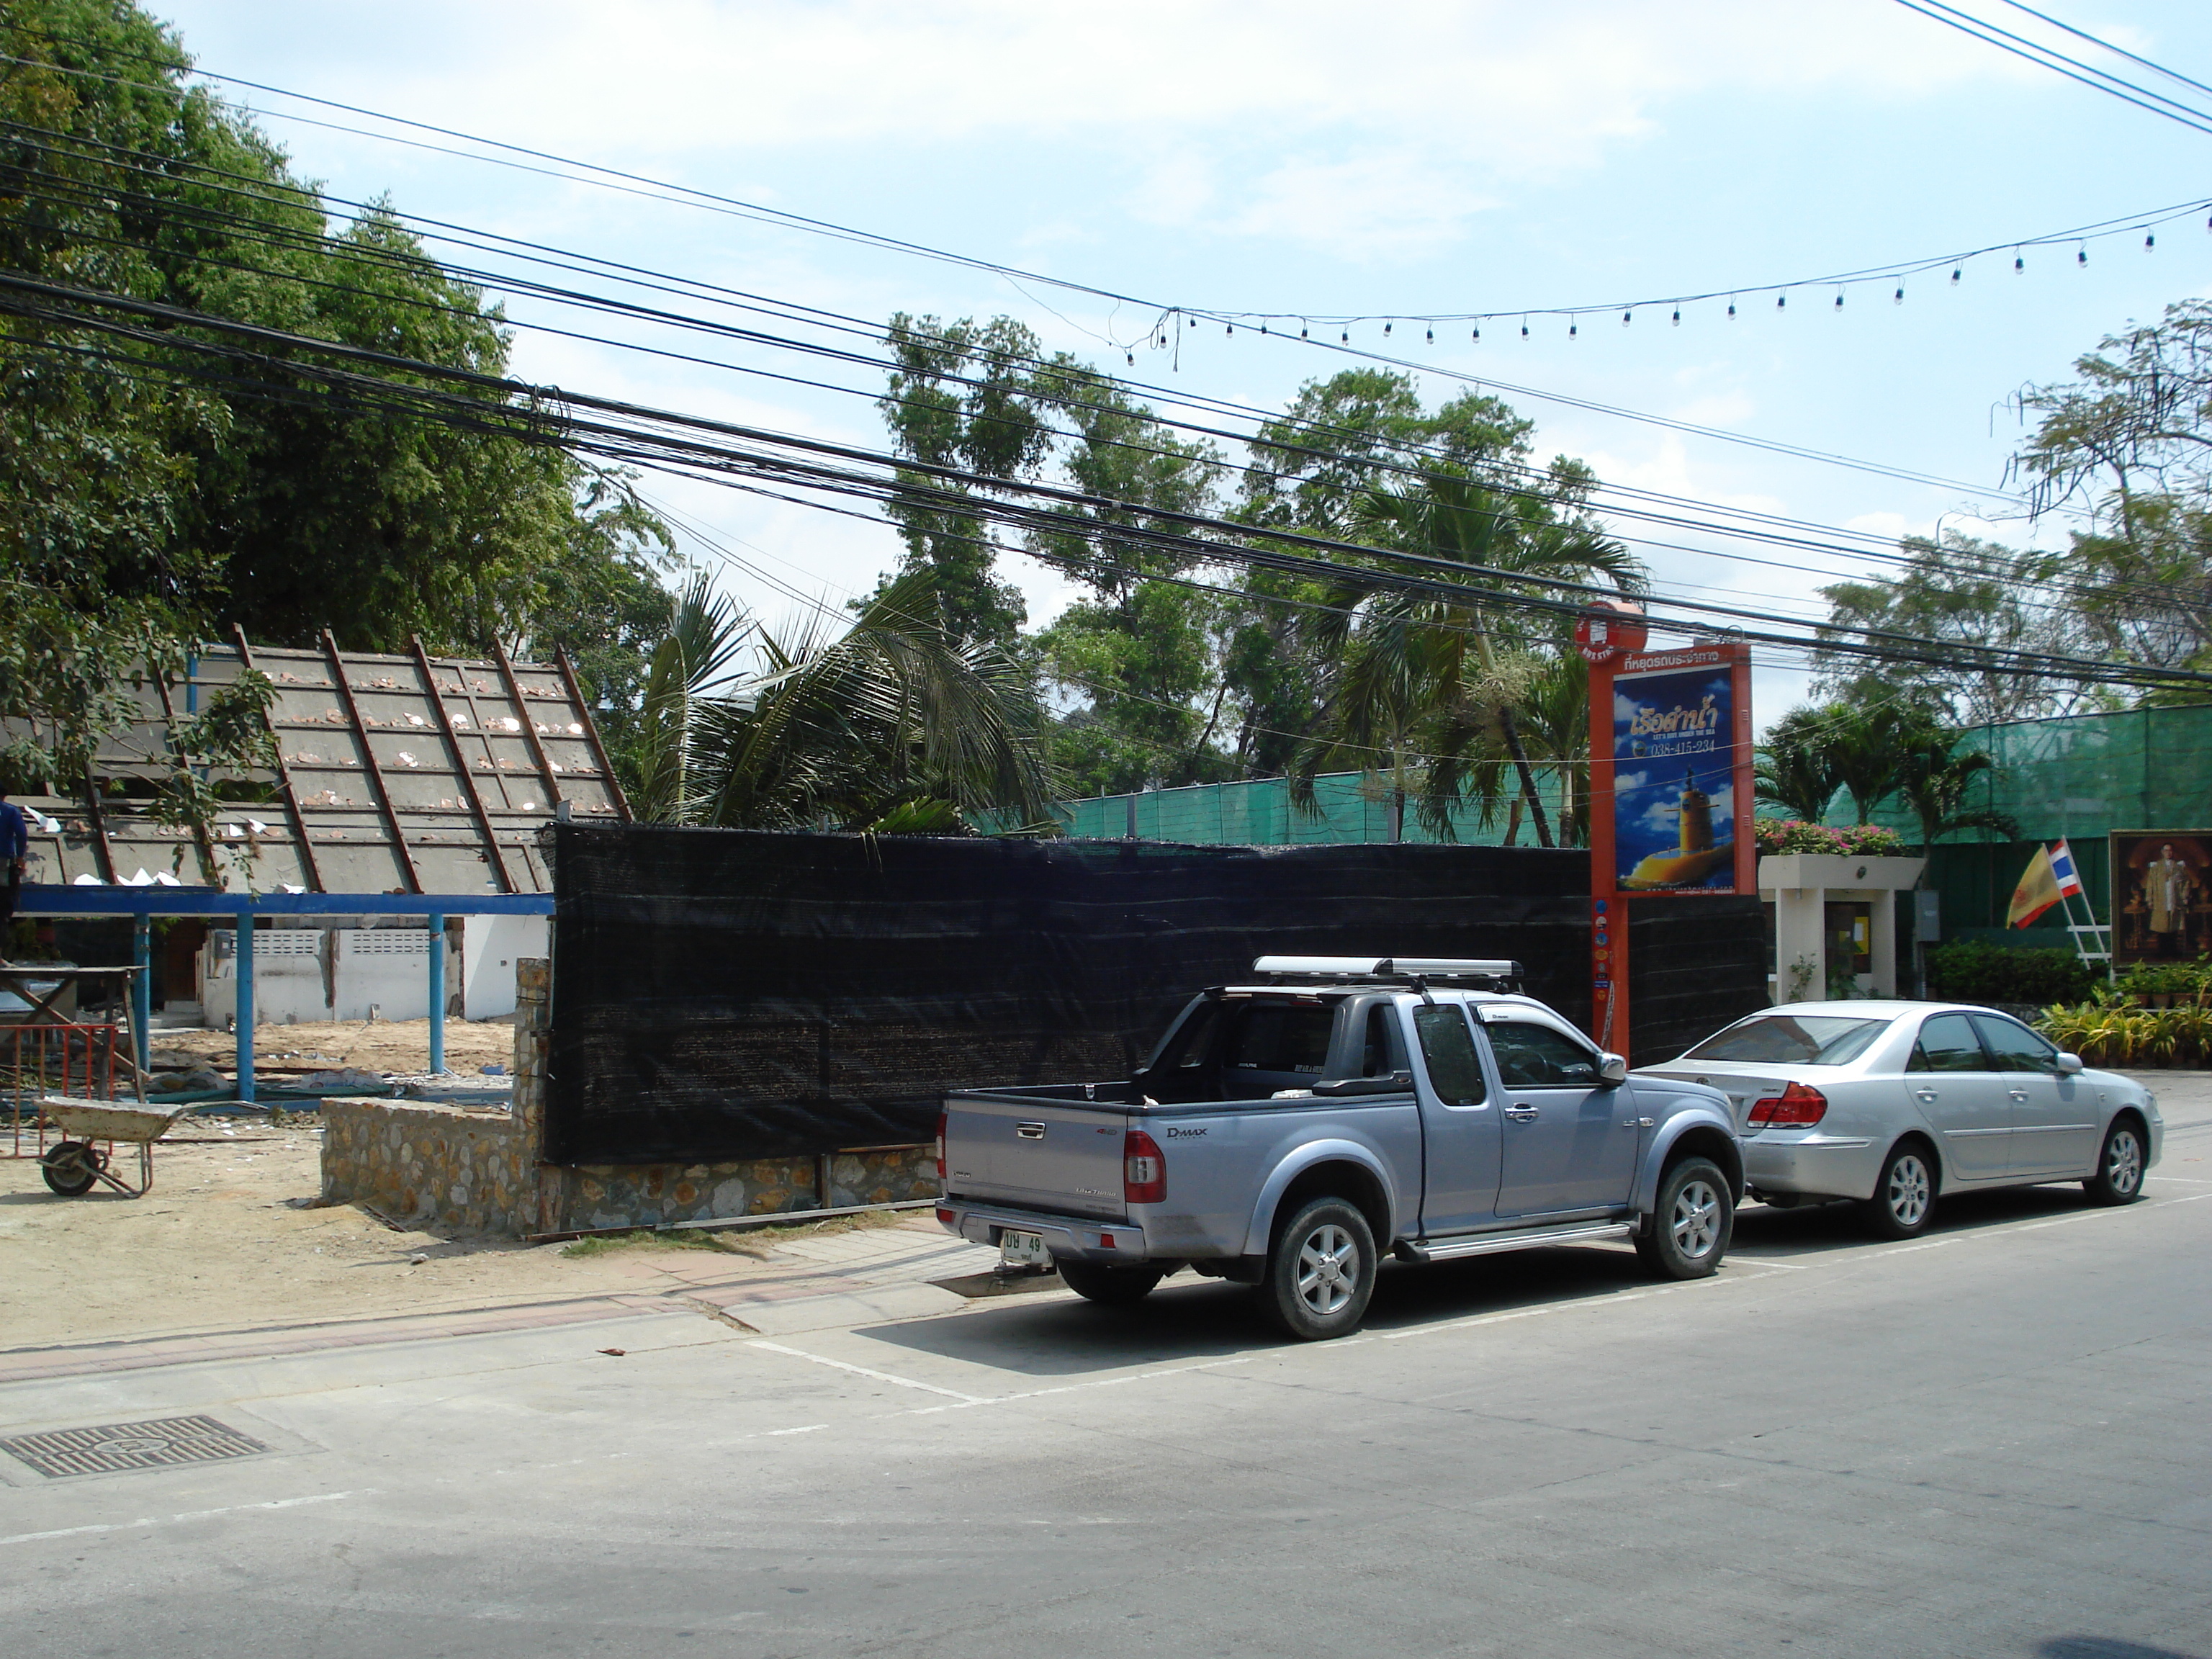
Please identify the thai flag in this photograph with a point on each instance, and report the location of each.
(2062, 866)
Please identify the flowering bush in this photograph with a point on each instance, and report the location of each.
(1795, 835)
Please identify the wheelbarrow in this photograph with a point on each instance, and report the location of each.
(72, 1166)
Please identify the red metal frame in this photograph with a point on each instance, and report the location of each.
(96, 1050)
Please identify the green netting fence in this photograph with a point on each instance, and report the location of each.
(2081, 777)
(1259, 813)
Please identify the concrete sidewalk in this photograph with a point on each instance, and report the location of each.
(809, 1282)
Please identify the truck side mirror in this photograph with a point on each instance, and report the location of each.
(1612, 1070)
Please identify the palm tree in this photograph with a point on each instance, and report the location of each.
(704, 636)
(1933, 783)
(894, 726)
(1795, 769)
(1431, 681)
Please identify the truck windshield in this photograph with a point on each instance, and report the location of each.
(1448, 1050)
(1793, 1039)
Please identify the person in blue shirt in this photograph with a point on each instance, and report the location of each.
(15, 849)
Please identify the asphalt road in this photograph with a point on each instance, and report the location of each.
(1994, 1441)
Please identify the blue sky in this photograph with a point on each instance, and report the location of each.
(1320, 158)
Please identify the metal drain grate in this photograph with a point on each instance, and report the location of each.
(113, 1447)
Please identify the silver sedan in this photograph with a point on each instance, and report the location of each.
(1894, 1103)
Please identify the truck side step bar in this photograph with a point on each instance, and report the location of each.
(1520, 1238)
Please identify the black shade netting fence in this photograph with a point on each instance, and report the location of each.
(728, 994)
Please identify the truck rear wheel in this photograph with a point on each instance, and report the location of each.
(1322, 1272)
(1109, 1287)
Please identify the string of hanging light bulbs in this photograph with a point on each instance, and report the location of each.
(1169, 323)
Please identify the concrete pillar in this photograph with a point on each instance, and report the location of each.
(1881, 910)
(141, 990)
(437, 926)
(1800, 936)
(244, 1019)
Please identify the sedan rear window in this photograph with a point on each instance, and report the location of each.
(1793, 1040)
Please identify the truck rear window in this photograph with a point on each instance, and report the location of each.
(1278, 1036)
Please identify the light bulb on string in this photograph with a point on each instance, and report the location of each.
(2019, 265)
(1781, 302)
(1478, 335)
(1954, 277)
(1731, 308)
(1386, 331)
(1898, 297)
(1625, 316)
(1677, 316)
(1573, 329)
(1524, 328)
(1302, 330)
(1839, 299)
(1263, 328)
(1432, 337)
(1345, 338)
(1229, 328)
(2081, 256)
(2149, 242)
(1133, 360)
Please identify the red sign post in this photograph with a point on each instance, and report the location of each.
(1670, 790)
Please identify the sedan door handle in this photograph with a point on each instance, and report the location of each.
(1522, 1114)
(2019, 1094)
(1926, 1095)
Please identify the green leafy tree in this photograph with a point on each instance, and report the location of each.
(704, 636)
(147, 498)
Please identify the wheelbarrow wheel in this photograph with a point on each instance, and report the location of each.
(70, 1168)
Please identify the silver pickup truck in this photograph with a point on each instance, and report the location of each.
(1283, 1134)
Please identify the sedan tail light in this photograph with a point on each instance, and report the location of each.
(1795, 1107)
(941, 1117)
(1144, 1169)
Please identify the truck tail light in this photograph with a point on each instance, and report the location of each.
(1144, 1169)
(1797, 1106)
(941, 1117)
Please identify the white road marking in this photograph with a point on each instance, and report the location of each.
(192, 1515)
(876, 1376)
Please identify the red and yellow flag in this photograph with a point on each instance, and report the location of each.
(2038, 891)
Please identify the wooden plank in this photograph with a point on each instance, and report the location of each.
(309, 867)
(529, 727)
(592, 733)
(498, 858)
(374, 771)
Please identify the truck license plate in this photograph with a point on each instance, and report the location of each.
(1018, 1250)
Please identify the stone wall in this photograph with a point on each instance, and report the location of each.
(449, 1168)
(467, 1169)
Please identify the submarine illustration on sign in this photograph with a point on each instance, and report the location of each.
(1696, 858)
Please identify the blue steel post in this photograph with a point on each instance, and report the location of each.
(244, 960)
(142, 989)
(437, 926)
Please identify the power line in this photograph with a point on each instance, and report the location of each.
(2072, 68)
(2106, 46)
(687, 442)
(685, 195)
(345, 250)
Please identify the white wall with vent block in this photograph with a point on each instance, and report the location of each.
(303, 974)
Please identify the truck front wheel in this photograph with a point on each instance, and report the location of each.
(1109, 1287)
(1321, 1271)
(1687, 1232)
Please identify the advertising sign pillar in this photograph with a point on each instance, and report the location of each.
(1670, 791)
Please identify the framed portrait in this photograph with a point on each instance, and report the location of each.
(2161, 894)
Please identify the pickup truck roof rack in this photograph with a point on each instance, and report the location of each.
(1393, 969)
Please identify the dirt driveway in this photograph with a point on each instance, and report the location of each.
(220, 1243)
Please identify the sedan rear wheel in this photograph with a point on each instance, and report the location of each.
(2119, 1175)
(1903, 1200)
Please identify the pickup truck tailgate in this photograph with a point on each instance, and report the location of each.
(1059, 1156)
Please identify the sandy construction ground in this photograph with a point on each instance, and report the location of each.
(384, 1046)
(217, 1244)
